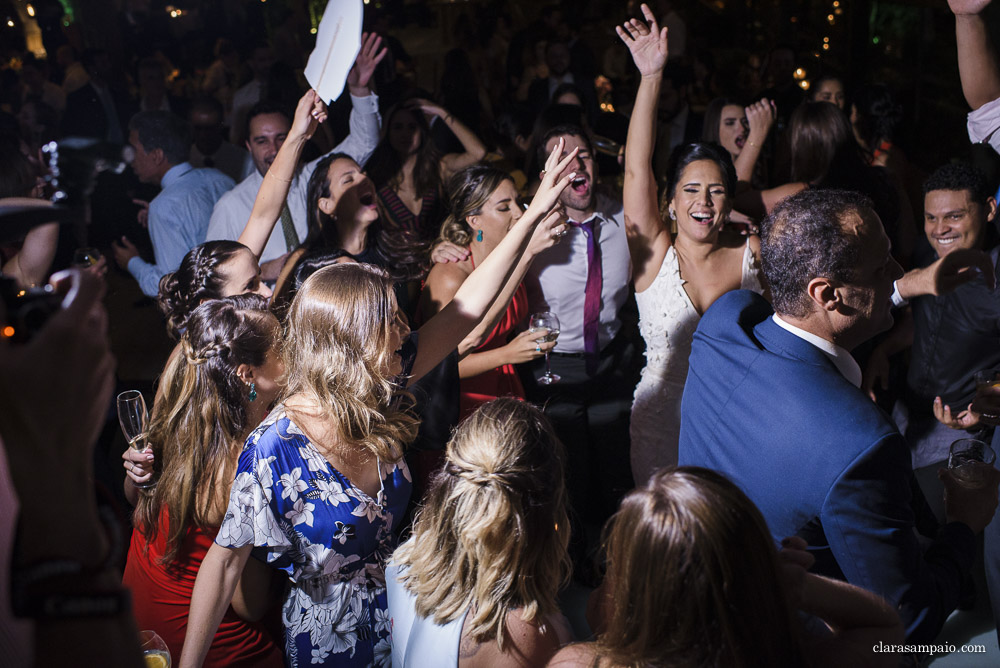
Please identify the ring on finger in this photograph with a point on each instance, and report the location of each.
(538, 349)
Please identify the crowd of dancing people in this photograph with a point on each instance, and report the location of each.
(437, 356)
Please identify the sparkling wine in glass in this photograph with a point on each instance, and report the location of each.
(86, 257)
(134, 419)
(549, 323)
(155, 653)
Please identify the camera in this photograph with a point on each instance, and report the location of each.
(74, 164)
(28, 309)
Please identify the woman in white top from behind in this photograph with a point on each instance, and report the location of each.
(476, 583)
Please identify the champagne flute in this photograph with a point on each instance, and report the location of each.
(545, 321)
(86, 257)
(134, 419)
(155, 653)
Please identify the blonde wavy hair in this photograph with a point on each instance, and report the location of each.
(336, 353)
(493, 531)
(468, 191)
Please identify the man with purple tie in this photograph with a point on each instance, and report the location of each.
(584, 281)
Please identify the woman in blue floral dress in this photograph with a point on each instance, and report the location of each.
(321, 484)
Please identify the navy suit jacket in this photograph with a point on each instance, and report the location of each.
(822, 461)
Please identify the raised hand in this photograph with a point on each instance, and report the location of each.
(648, 44)
(760, 117)
(427, 107)
(959, 7)
(310, 111)
(364, 65)
(555, 178)
(548, 232)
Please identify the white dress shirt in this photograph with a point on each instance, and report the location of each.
(841, 357)
(557, 279)
(232, 211)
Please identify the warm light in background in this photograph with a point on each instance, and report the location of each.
(7, 332)
(804, 84)
(799, 73)
(31, 10)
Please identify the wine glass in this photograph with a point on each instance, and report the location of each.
(545, 321)
(969, 461)
(155, 652)
(85, 258)
(134, 419)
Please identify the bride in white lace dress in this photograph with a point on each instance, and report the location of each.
(677, 275)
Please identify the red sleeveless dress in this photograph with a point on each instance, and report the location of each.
(502, 381)
(161, 596)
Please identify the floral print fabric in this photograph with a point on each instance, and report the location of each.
(330, 537)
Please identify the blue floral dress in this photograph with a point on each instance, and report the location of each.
(330, 537)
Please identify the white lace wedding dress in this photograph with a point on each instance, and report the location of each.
(667, 321)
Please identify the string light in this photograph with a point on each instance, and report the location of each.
(10, 23)
(31, 10)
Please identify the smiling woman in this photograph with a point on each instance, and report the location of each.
(677, 276)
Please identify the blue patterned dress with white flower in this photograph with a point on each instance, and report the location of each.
(332, 539)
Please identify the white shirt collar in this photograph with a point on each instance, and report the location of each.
(841, 357)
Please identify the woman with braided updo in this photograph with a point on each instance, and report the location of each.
(322, 485)
(480, 574)
(217, 387)
(210, 270)
(484, 206)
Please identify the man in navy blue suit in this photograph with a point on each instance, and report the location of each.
(773, 401)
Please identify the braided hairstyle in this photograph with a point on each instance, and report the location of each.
(200, 418)
(198, 278)
(493, 532)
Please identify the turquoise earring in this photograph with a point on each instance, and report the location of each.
(253, 392)
(479, 235)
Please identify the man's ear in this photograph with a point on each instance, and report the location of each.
(158, 156)
(991, 209)
(824, 293)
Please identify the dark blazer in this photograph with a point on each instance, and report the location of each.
(85, 116)
(772, 412)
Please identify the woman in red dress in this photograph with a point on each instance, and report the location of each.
(212, 394)
(483, 207)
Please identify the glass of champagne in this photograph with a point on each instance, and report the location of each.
(970, 461)
(134, 419)
(86, 257)
(155, 652)
(545, 321)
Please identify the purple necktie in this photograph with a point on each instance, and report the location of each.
(592, 295)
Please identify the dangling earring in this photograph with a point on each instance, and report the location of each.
(253, 391)
(479, 235)
(673, 216)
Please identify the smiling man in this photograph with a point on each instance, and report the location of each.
(772, 401)
(951, 334)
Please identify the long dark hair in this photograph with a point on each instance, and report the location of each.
(400, 252)
(197, 278)
(200, 418)
(385, 165)
(713, 114)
